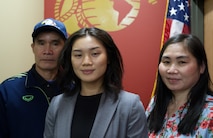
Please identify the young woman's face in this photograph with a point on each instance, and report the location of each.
(89, 59)
(179, 69)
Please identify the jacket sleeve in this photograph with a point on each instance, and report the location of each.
(137, 124)
(4, 133)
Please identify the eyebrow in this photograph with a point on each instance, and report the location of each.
(93, 48)
(179, 57)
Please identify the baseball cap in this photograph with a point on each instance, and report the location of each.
(50, 24)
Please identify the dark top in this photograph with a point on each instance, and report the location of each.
(84, 115)
(50, 88)
(24, 100)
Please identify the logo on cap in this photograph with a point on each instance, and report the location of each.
(48, 22)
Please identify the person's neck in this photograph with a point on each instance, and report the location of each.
(179, 98)
(47, 74)
(89, 89)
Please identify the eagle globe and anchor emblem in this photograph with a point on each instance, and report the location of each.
(110, 15)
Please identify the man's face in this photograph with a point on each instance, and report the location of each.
(46, 48)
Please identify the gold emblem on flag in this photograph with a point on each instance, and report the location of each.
(110, 15)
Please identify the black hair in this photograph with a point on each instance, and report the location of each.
(197, 94)
(112, 83)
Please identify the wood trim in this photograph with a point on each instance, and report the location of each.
(201, 26)
(208, 34)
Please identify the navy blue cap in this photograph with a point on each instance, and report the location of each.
(50, 24)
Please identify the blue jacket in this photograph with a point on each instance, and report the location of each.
(24, 100)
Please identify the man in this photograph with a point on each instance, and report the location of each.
(24, 98)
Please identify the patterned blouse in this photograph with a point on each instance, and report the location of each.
(204, 128)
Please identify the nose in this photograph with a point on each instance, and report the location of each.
(48, 50)
(87, 61)
(172, 69)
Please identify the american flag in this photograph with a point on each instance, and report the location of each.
(178, 18)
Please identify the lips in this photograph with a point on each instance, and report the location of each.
(47, 60)
(87, 72)
(173, 80)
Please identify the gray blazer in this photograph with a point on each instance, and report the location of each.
(124, 118)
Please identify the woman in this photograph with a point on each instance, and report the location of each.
(182, 105)
(94, 104)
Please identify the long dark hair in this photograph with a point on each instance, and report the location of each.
(70, 83)
(196, 95)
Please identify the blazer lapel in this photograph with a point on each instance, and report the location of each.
(104, 115)
(66, 114)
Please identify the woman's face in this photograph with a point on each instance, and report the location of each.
(89, 59)
(179, 69)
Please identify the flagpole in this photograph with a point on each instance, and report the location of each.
(162, 41)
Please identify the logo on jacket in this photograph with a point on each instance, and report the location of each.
(28, 98)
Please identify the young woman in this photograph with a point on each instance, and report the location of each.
(182, 106)
(94, 104)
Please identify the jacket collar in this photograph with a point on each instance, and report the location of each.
(33, 78)
(104, 115)
(106, 109)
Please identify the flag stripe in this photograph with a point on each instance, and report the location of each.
(176, 27)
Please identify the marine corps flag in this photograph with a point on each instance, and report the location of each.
(135, 25)
(176, 21)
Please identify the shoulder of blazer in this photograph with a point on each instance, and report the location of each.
(125, 95)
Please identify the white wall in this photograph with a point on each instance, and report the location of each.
(17, 19)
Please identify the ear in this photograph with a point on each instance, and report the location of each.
(202, 68)
(32, 46)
